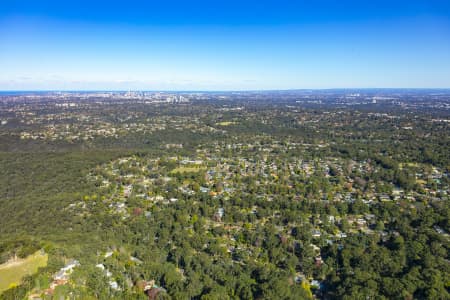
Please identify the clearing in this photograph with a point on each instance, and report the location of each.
(227, 123)
(12, 272)
(188, 170)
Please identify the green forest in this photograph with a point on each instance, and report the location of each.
(225, 200)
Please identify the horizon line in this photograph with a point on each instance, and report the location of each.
(224, 90)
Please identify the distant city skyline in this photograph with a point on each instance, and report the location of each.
(235, 45)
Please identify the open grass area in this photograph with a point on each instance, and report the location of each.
(226, 123)
(12, 272)
(409, 164)
(188, 169)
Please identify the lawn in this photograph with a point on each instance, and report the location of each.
(11, 273)
(226, 123)
(187, 170)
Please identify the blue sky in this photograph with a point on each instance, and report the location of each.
(223, 45)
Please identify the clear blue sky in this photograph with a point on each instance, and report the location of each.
(223, 44)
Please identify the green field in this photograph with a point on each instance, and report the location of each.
(226, 123)
(187, 170)
(11, 273)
